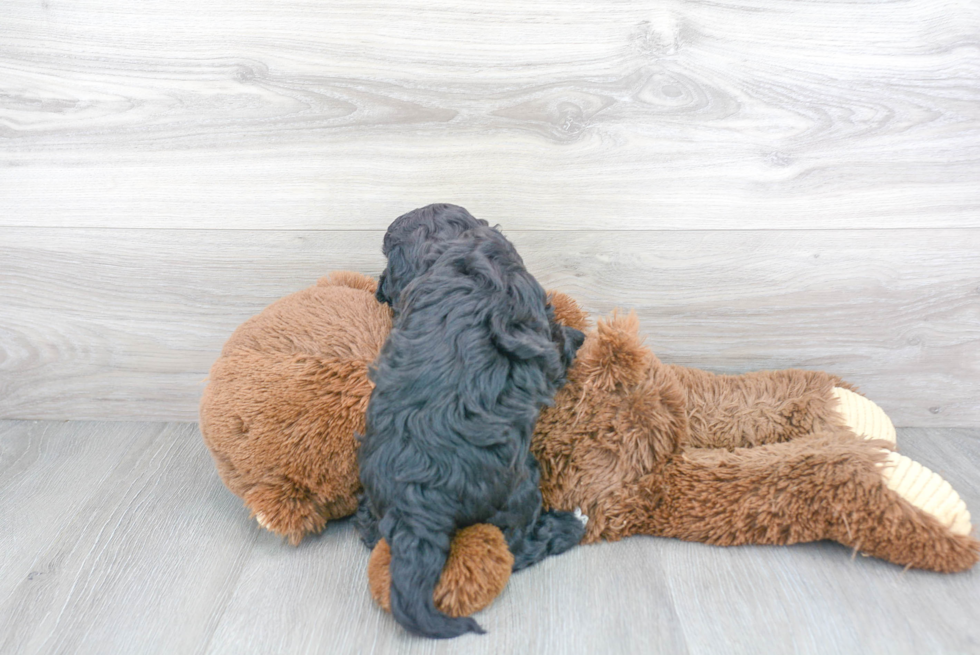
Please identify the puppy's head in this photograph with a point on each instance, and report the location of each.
(415, 240)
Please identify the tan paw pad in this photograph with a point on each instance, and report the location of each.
(927, 491)
(864, 417)
(263, 521)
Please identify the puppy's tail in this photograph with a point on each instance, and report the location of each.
(417, 559)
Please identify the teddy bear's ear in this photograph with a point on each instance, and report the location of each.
(348, 279)
(614, 354)
(567, 311)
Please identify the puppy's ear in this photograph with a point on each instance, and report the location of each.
(519, 338)
(573, 340)
(567, 339)
(398, 273)
(523, 329)
(381, 294)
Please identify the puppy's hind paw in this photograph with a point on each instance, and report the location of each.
(580, 516)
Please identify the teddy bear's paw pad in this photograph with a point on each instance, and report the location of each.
(580, 516)
(864, 417)
(927, 491)
(263, 521)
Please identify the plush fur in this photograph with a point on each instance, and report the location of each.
(643, 447)
(459, 383)
(761, 458)
(285, 399)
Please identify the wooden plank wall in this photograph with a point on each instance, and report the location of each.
(768, 183)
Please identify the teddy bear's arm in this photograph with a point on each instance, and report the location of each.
(823, 486)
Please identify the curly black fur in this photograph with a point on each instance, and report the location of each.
(473, 355)
(415, 240)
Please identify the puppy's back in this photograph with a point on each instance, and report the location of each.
(458, 386)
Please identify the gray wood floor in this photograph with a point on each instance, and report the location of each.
(769, 183)
(119, 538)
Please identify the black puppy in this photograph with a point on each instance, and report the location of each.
(471, 359)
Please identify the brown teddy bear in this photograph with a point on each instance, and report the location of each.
(776, 457)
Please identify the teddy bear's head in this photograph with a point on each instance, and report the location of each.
(286, 398)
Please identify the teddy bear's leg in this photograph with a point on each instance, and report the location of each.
(732, 411)
(826, 486)
(476, 571)
(925, 490)
(863, 417)
(909, 479)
